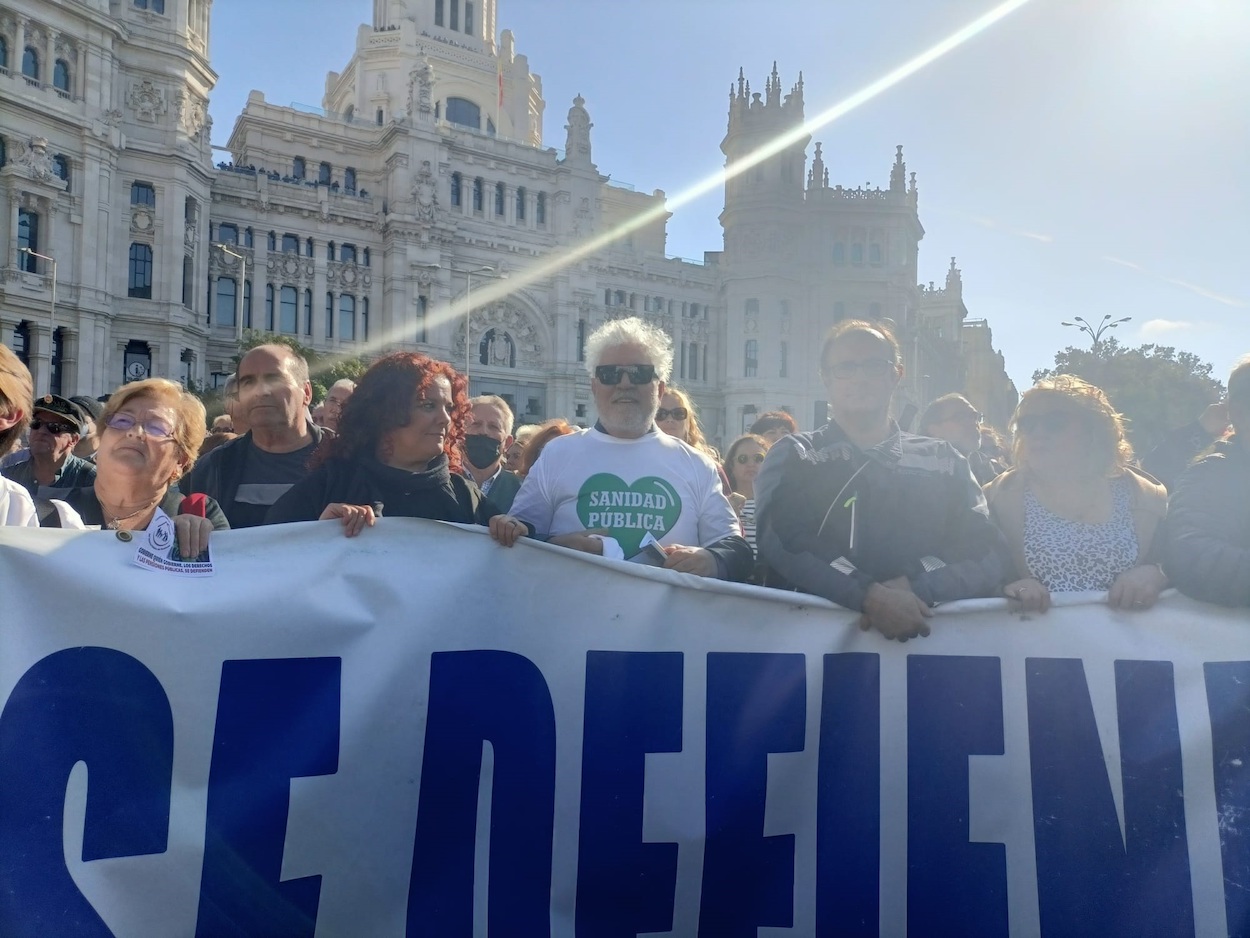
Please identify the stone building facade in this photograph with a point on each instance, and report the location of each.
(418, 200)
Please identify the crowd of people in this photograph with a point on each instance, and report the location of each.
(881, 521)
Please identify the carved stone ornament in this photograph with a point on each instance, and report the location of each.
(36, 160)
(147, 100)
(192, 234)
(513, 335)
(140, 220)
(425, 193)
(192, 113)
(112, 118)
(421, 89)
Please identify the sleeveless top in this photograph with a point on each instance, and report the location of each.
(1072, 556)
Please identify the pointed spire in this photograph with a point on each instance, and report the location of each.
(819, 176)
(898, 173)
(772, 87)
(953, 279)
(741, 80)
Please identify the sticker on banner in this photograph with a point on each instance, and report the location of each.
(158, 550)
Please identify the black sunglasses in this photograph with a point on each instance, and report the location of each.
(1053, 422)
(638, 374)
(53, 426)
(676, 413)
(743, 458)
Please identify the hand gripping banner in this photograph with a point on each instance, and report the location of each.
(417, 732)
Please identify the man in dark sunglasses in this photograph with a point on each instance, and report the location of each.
(617, 488)
(49, 468)
(874, 519)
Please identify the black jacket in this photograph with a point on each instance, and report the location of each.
(217, 474)
(435, 493)
(84, 501)
(1208, 528)
(832, 519)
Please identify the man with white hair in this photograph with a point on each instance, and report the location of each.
(336, 397)
(604, 490)
(488, 435)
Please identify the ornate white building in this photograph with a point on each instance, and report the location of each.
(422, 184)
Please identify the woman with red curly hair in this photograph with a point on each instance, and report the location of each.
(397, 452)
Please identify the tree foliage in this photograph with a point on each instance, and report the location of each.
(1155, 387)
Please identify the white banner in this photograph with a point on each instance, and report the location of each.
(417, 732)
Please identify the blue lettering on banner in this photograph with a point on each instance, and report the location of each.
(1093, 878)
(633, 706)
(748, 879)
(92, 705)
(502, 698)
(848, 798)
(954, 710)
(1228, 700)
(277, 719)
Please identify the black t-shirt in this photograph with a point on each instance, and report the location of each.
(265, 478)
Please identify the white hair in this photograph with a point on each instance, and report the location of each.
(501, 405)
(631, 331)
(343, 383)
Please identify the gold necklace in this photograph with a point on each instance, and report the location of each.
(116, 522)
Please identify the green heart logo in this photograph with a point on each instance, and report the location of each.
(628, 512)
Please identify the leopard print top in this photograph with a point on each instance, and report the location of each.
(1071, 556)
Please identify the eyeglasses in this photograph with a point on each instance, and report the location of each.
(1054, 422)
(55, 427)
(611, 374)
(152, 428)
(674, 413)
(743, 458)
(868, 367)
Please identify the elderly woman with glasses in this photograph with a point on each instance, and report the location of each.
(1076, 514)
(150, 432)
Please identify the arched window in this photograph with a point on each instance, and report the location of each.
(60, 168)
(27, 241)
(228, 234)
(499, 198)
(30, 63)
(140, 282)
(751, 362)
(227, 297)
(142, 193)
(349, 181)
(455, 189)
(60, 77)
(540, 209)
(520, 203)
(324, 171)
(477, 194)
(288, 316)
(298, 168)
(463, 111)
(347, 318)
(839, 254)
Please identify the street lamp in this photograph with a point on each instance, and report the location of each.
(1096, 332)
(52, 306)
(238, 294)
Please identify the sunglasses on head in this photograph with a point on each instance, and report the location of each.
(1054, 422)
(743, 458)
(673, 413)
(638, 374)
(55, 427)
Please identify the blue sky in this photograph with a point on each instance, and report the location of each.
(1079, 158)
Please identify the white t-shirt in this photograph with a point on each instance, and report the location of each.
(656, 483)
(16, 507)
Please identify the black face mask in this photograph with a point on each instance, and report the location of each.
(482, 450)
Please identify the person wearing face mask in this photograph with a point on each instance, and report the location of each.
(488, 435)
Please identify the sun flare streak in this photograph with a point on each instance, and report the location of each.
(494, 290)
